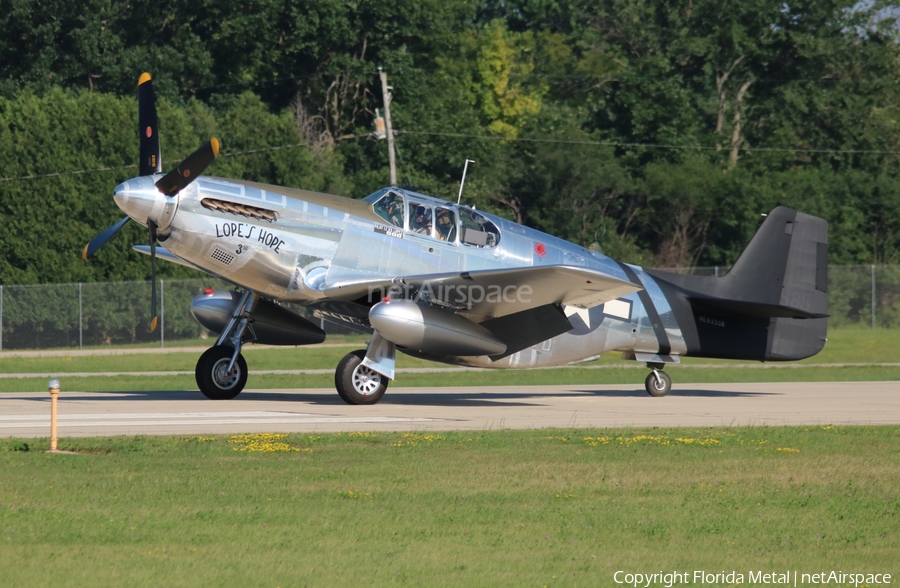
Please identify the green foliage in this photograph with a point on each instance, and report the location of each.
(44, 222)
(659, 131)
(498, 84)
(62, 154)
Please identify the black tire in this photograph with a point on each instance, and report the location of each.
(659, 387)
(212, 379)
(357, 384)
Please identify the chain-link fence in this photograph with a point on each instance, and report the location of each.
(117, 313)
(104, 313)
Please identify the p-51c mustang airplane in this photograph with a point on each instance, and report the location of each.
(451, 284)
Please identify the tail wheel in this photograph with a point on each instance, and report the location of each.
(658, 383)
(213, 377)
(356, 383)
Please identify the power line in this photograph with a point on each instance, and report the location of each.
(647, 145)
(121, 167)
(491, 138)
(66, 173)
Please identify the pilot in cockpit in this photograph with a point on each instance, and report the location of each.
(390, 208)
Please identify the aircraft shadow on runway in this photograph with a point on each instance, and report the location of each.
(504, 398)
(418, 398)
(675, 392)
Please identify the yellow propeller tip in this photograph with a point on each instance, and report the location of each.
(84, 254)
(145, 77)
(153, 322)
(215, 146)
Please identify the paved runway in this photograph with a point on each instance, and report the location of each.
(460, 408)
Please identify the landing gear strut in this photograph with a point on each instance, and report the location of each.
(658, 382)
(221, 371)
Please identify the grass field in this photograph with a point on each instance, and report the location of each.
(499, 508)
(849, 355)
(493, 508)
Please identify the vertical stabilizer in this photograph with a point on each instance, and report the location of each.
(785, 266)
(771, 305)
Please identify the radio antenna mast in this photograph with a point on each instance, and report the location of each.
(463, 182)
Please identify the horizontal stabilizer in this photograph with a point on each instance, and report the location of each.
(752, 309)
(783, 272)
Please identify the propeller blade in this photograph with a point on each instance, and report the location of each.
(187, 171)
(154, 316)
(101, 239)
(150, 161)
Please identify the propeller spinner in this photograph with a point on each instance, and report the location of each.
(153, 203)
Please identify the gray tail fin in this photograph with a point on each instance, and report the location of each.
(777, 290)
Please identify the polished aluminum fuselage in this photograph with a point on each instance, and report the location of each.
(224, 228)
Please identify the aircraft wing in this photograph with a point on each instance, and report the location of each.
(485, 294)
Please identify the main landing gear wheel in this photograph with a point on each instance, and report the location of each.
(658, 383)
(214, 380)
(357, 384)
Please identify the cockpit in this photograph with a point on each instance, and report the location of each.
(436, 219)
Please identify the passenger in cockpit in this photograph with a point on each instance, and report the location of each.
(421, 221)
(446, 225)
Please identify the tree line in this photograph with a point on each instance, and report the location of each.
(658, 131)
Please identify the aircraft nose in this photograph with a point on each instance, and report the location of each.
(141, 200)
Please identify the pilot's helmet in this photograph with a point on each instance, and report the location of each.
(420, 211)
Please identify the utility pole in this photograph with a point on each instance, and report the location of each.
(386, 97)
